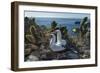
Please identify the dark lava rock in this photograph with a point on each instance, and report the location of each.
(72, 55)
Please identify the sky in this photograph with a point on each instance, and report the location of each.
(55, 14)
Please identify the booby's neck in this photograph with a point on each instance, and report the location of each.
(59, 37)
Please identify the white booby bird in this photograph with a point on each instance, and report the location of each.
(59, 45)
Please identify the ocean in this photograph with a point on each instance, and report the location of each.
(69, 23)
